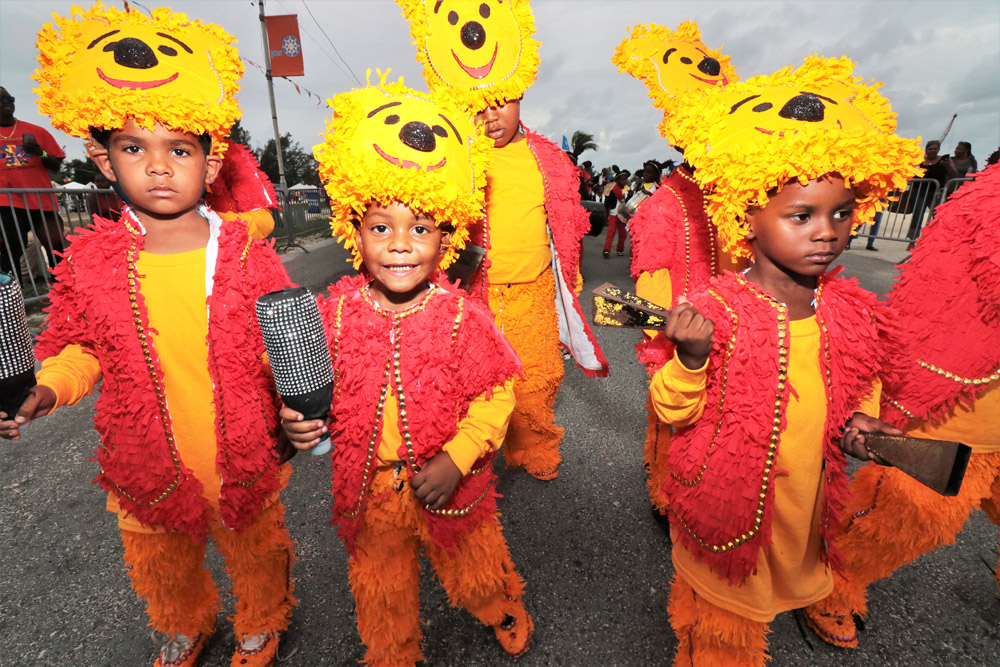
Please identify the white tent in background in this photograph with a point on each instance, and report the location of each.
(73, 185)
(301, 186)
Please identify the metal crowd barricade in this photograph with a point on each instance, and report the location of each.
(912, 209)
(303, 212)
(33, 227)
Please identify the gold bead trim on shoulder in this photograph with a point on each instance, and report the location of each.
(992, 377)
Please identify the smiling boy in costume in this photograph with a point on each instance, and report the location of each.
(941, 381)
(675, 251)
(773, 375)
(160, 306)
(484, 54)
(422, 393)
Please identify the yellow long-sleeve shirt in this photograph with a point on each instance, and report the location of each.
(977, 426)
(791, 574)
(515, 206)
(481, 431)
(173, 288)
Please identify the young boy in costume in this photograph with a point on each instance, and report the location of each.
(940, 381)
(675, 251)
(160, 306)
(772, 378)
(422, 393)
(534, 221)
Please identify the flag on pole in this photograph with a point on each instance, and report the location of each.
(284, 44)
(947, 129)
(565, 145)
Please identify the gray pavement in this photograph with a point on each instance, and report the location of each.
(597, 567)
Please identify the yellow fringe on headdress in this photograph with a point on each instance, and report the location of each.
(751, 137)
(643, 54)
(178, 72)
(493, 71)
(363, 159)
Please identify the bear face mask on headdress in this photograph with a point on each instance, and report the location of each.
(482, 51)
(102, 66)
(751, 137)
(389, 143)
(672, 63)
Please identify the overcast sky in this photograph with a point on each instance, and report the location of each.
(936, 59)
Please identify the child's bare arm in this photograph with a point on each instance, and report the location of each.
(436, 481)
(853, 440)
(301, 433)
(691, 332)
(38, 404)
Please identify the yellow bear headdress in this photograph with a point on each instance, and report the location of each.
(483, 51)
(672, 62)
(751, 137)
(102, 66)
(389, 143)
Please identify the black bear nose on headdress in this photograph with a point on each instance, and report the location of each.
(710, 66)
(473, 35)
(134, 53)
(418, 136)
(805, 107)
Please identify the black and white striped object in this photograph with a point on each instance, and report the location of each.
(17, 352)
(297, 349)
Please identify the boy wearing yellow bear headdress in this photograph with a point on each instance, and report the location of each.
(773, 375)
(484, 53)
(160, 305)
(422, 394)
(675, 250)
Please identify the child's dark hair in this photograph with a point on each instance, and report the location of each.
(103, 137)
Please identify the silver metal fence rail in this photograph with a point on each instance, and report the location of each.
(303, 212)
(904, 219)
(33, 227)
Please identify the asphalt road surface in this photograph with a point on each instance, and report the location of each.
(597, 567)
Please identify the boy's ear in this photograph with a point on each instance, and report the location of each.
(445, 243)
(213, 164)
(99, 154)
(749, 217)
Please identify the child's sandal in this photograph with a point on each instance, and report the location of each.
(258, 650)
(514, 631)
(836, 629)
(182, 651)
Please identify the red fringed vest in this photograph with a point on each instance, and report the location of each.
(449, 354)
(671, 231)
(721, 467)
(945, 308)
(568, 222)
(92, 305)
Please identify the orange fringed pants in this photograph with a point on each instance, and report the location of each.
(168, 574)
(708, 636)
(655, 456)
(893, 519)
(385, 572)
(525, 314)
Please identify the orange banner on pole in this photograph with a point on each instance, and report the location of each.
(284, 44)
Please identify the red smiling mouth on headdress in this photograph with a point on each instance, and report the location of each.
(782, 132)
(717, 82)
(122, 83)
(478, 72)
(407, 164)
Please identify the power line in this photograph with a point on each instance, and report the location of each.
(331, 43)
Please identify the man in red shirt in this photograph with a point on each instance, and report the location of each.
(27, 154)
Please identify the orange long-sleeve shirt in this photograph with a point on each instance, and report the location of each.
(791, 574)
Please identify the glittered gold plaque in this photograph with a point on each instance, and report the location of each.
(615, 308)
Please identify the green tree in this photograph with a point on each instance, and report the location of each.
(300, 166)
(582, 141)
(239, 134)
(81, 171)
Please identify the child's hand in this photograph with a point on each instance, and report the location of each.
(302, 434)
(284, 448)
(691, 332)
(39, 403)
(853, 440)
(436, 481)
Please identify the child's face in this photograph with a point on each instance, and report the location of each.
(162, 172)
(502, 122)
(803, 228)
(401, 250)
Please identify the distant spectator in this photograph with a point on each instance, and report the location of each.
(619, 193)
(28, 154)
(964, 162)
(993, 158)
(938, 168)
